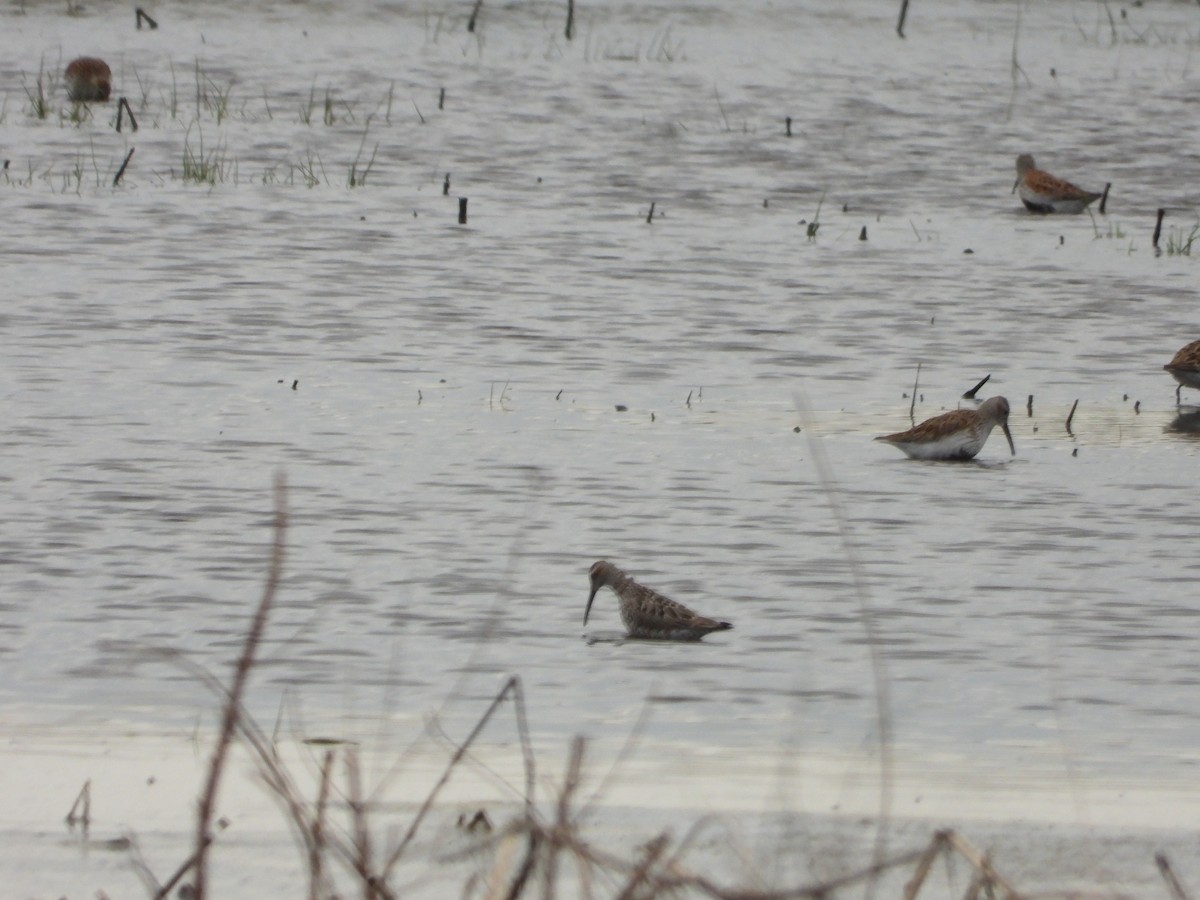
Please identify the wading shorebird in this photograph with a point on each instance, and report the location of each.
(1185, 367)
(1041, 192)
(647, 614)
(954, 435)
(88, 79)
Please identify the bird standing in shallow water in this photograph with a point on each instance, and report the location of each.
(1185, 367)
(88, 79)
(954, 435)
(647, 614)
(1041, 192)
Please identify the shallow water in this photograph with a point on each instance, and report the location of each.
(443, 398)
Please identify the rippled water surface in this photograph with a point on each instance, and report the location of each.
(469, 416)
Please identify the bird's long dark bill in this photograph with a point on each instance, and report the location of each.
(591, 597)
(1015, 183)
(1008, 434)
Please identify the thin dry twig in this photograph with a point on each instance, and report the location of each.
(1164, 867)
(230, 714)
(511, 687)
(883, 703)
(316, 850)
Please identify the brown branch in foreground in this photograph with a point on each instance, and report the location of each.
(1164, 867)
(871, 631)
(241, 675)
(184, 868)
(513, 687)
(563, 829)
(913, 887)
(316, 851)
(653, 850)
(361, 834)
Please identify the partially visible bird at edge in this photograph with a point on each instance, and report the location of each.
(959, 434)
(647, 614)
(1185, 367)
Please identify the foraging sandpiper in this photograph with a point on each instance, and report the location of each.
(954, 435)
(1041, 192)
(646, 613)
(1185, 367)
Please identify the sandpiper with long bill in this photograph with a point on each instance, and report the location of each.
(647, 614)
(1041, 192)
(959, 434)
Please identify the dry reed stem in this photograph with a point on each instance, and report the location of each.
(513, 687)
(981, 863)
(653, 850)
(358, 817)
(562, 832)
(231, 713)
(879, 676)
(316, 849)
(183, 869)
(924, 865)
(1164, 867)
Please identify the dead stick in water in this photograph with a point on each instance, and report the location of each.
(462, 210)
(903, 13)
(1157, 228)
(787, 125)
(83, 803)
(913, 406)
(1071, 416)
(570, 30)
(474, 16)
(142, 16)
(970, 395)
(1029, 406)
(123, 107)
(121, 171)
(442, 98)
(1104, 197)
(650, 215)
